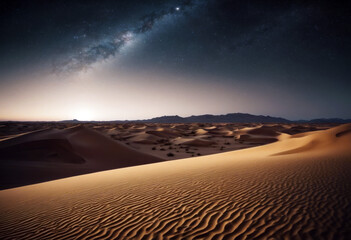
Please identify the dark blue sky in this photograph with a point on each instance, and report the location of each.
(131, 59)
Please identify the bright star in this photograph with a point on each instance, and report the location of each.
(177, 8)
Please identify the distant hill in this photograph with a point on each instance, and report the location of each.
(70, 121)
(238, 118)
(165, 119)
(227, 118)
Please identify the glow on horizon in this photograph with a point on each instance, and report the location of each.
(103, 95)
(106, 93)
(85, 114)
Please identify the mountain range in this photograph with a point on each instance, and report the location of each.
(237, 118)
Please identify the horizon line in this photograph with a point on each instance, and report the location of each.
(176, 115)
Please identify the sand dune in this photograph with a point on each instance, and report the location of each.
(177, 141)
(182, 140)
(201, 131)
(144, 138)
(164, 133)
(256, 193)
(254, 139)
(258, 135)
(52, 153)
(265, 131)
(196, 142)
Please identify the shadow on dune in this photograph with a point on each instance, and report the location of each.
(52, 154)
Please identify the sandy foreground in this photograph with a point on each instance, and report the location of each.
(296, 188)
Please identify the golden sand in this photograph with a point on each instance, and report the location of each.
(296, 188)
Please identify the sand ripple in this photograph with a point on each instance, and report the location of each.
(294, 196)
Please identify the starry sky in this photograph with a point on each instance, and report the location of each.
(108, 60)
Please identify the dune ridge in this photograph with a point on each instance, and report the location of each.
(254, 193)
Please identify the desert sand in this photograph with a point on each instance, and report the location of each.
(49, 154)
(42, 151)
(177, 141)
(296, 188)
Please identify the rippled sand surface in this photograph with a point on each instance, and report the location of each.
(297, 188)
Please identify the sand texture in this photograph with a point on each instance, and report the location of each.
(296, 188)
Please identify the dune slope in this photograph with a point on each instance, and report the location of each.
(52, 154)
(256, 193)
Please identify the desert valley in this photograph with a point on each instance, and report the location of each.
(35, 152)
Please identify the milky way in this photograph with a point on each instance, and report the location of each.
(111, 45)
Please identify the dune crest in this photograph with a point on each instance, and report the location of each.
(317, 140)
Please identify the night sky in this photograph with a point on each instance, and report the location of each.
(108, 60)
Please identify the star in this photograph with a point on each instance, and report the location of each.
(177, 8)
